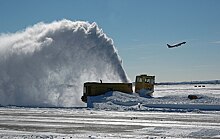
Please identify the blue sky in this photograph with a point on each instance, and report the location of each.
(140, 30)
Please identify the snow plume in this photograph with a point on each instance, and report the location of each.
(47, 64)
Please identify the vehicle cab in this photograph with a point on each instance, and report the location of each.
(144, 82)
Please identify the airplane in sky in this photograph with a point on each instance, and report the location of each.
(175, 45)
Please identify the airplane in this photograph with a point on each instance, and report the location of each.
(175, 45)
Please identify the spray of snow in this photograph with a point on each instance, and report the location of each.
(47, 64)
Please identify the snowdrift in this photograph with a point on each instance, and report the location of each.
(47, 64)
(165, 98)
(115, 100)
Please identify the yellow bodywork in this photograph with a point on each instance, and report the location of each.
(95, 88)
(144, 82)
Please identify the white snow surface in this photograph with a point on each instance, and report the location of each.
(117, 115)
(46, 64)
(60, 123)
(166, 97)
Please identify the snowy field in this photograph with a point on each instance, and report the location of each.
(169, 114)
(84, 123)
(165, 98)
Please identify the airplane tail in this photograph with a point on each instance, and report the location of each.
(168, 45)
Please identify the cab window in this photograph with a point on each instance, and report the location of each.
(147, 80)
(139, 80)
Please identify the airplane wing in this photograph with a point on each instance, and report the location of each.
(169, 46)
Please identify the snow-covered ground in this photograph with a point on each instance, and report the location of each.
(168, 114)
(57, 123)
(165, 98)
